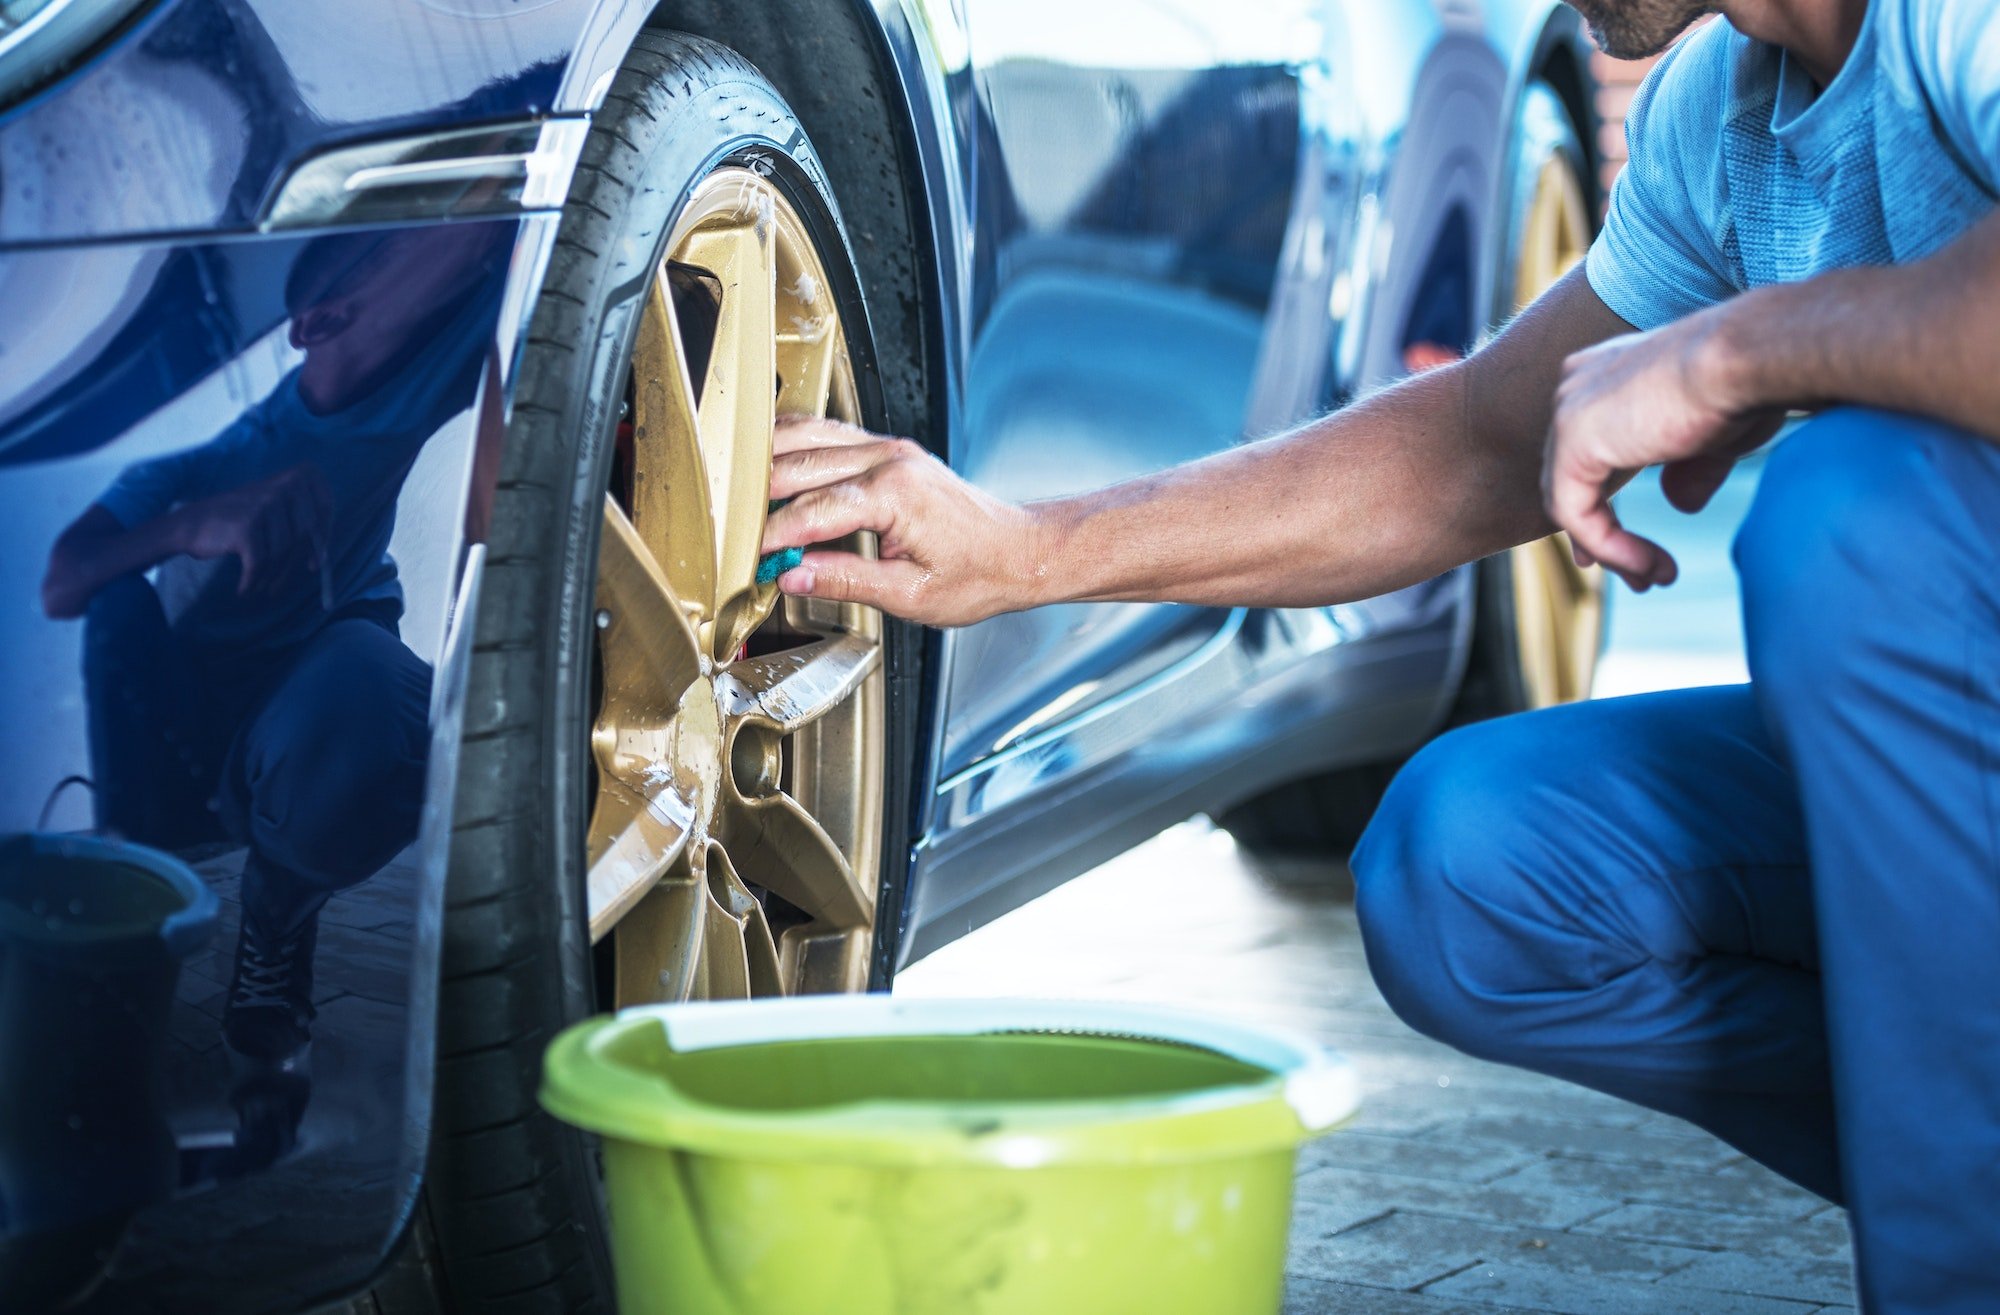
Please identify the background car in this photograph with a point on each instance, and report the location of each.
(386, 396)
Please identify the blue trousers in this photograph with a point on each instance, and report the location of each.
(1770, 909)
(312, 756)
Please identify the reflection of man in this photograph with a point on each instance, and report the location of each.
(1772, 909)
(259, 688)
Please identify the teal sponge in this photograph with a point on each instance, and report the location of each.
(776, 564)
(773, 565)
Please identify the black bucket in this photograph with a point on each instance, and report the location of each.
(92, 935)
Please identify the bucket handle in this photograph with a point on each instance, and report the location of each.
(188, 929)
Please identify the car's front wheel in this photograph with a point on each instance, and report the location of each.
(675, 783)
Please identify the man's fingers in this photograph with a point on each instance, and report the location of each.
(1636, 560)
(1579, 506)
(823, 515)
(851, 578)
(800, 433)
(1659, 569)
(797, 471)
(1691, 483)
(247, 557)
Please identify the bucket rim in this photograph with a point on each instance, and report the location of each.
(1308, 1089)
(183, 931)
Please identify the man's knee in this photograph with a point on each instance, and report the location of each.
(1434, 872)
(123, 623)
(334, 768)
(1843, 531)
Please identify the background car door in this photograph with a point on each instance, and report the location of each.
(1134, 164)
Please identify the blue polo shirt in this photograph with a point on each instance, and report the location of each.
(1744, 173)
(364, 451)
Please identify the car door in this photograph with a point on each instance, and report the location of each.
(1134, 164)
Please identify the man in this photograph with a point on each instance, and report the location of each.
(1771, 909)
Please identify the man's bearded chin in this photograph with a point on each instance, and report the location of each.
(1635, 29)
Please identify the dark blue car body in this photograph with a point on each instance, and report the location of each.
(1149, 229)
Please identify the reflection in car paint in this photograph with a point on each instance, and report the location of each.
(250, 700)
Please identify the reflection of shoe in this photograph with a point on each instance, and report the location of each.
(270, 1103)
(269, 1014)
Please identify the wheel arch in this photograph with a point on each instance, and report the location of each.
(1562, 59)
(854, 75)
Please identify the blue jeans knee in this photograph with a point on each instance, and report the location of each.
(1438, 846)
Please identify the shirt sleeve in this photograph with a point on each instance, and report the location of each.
(1661, 256)
(1955, 45)
(151, 488)
(145, 490)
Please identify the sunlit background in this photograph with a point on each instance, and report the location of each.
(1690, 633)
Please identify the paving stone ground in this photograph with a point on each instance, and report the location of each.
(1462, 1186)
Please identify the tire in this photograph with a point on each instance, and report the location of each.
(1323, 816)
(512, 1217)
(1318, 817)
(1528, 649)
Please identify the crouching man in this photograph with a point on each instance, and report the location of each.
(1770, 909)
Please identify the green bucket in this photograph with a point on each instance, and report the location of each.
(865, 1155)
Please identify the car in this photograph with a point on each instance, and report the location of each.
(391, 675)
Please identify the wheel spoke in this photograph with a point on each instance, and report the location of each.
(742, 960)
(738, 403)
(649, 650)
(807, 354)
(647, 804)
(812, 350)
(797, 686)
(658, 947)
(817, 961)
(671, 504)
(777, 845)
(634, 843)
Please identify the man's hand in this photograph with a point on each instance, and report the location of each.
(949, 553)
(272, 526)
(1664, 398)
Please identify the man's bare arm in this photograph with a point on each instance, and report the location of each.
(269, 525)
(96, 550)
(1436, 471)
(1918, 338)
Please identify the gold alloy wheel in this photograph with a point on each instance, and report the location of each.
(1558, 605)
(735, 837)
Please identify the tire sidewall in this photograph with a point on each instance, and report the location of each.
(1543, 131)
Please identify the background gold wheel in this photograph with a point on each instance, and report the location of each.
(735, 834)
(1556, 606)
